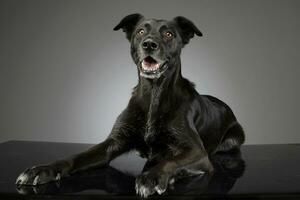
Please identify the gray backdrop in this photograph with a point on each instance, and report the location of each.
(65, 75)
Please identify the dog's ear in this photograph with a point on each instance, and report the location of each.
(128, 23)
(186, 29)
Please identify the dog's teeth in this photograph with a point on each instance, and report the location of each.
(153, 68)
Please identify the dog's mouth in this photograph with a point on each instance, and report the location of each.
(152, 68)
(149, 64)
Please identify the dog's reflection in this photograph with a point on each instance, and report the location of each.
(108, 180)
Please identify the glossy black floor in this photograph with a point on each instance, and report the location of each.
(258, 171)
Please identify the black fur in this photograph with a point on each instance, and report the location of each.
(166, 120)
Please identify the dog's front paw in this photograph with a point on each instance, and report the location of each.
(38, 175)
(150, 182)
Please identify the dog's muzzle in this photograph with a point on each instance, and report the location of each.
(152, 68)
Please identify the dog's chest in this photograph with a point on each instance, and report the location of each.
(158, 141)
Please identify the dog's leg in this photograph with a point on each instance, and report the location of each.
(156, 179)
(99, 155)
(233, 138)
(118, 142)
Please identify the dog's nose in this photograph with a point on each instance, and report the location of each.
(150, 44)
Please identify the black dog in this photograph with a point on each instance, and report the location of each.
(166, 120)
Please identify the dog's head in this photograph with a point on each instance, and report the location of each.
(156, 44)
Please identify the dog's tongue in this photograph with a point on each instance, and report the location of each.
(150, 63)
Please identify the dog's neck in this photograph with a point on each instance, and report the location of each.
(157, 97)
(156, 91)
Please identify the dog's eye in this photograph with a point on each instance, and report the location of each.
(168, 34)
(141, 32)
